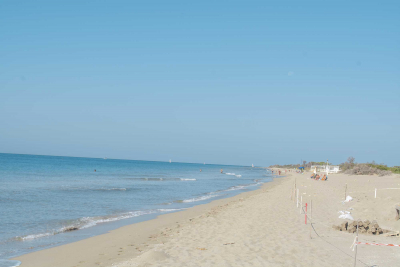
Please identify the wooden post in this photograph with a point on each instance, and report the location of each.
(375, 192)
(292, 194)
(310, 218)
(355, 256)
(301, 203)
(305, 215)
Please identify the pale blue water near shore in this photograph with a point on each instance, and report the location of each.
(43, 196)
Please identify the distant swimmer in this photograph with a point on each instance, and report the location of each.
(222, 170)
(94, 170)
(200, 170)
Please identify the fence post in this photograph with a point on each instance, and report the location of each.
(355, 256)
(301, 203)
(294, 194)
(305, 215)
(375, 192)
(310, 218)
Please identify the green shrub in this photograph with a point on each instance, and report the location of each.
(379, 167)
(367, 169)
(350, 167)
(395, 169)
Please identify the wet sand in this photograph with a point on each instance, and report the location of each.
(258, 228)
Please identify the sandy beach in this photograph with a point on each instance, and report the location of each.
(258, 228)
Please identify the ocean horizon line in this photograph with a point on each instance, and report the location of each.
(142, 160)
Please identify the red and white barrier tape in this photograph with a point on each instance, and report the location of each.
(355, 243)
(377, 244)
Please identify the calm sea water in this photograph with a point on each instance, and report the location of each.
(41, 197)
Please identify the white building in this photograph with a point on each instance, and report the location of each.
(325, 168)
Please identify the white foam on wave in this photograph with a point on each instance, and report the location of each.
(87, 222)
(238, 175)
(92, 221)
(200, 198)
(241, 187)
(31, 237)
(168, 210)
(92, 189)
(162, 179)
(237, 187)
(228, 173)
(152, 179)
(114, 189)
(167, 179)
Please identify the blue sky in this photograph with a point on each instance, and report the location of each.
(232, 82)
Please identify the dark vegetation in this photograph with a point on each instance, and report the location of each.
(351, 167)
(369, 168)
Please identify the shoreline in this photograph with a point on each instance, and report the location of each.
(69, 201)
(263, 227)
(140, 232)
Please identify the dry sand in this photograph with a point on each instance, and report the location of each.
(259, 228)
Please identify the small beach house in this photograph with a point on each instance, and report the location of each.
(326, 168)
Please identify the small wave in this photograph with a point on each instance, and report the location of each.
(161, 179)
(241, 187)
(168, 210)
(147, 179)
(234, 174)
(92, 221)
(151, 179)
(110, 189)
(31, 237)
(87, 222)
(199, 198)
(67, 188)
(237, 187)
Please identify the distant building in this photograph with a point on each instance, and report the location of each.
(325, 168)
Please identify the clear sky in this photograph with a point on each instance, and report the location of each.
(231, 82)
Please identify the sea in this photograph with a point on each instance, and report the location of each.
(46, 201)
